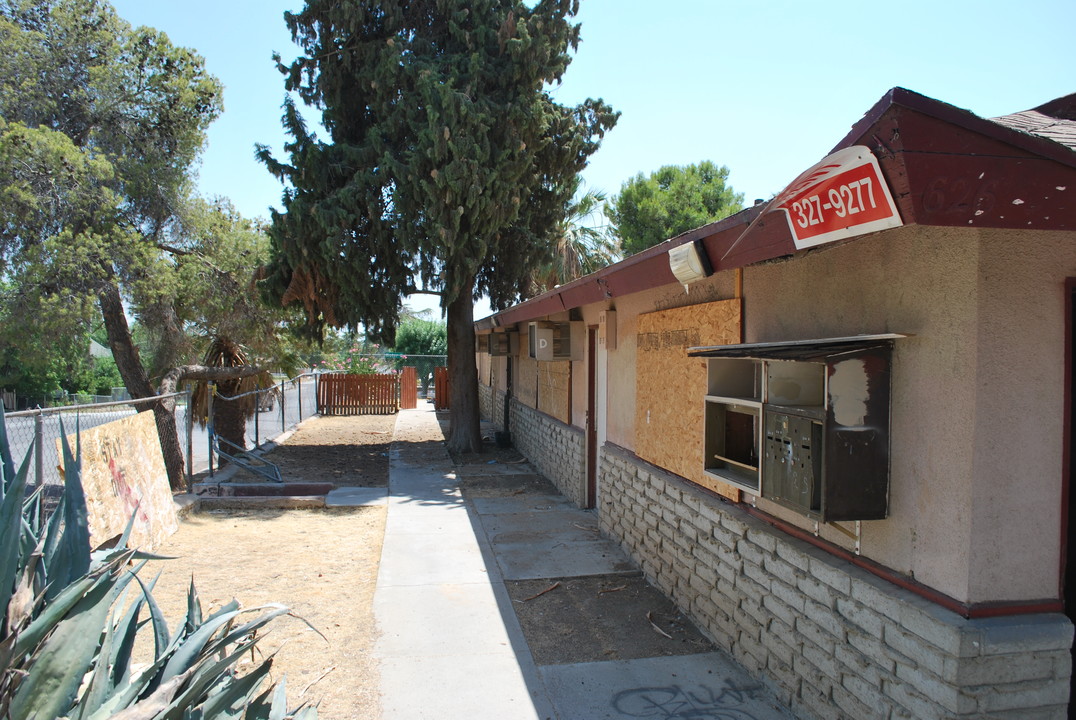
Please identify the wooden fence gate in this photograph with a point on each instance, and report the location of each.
(358, 394)
(409, 388)
(440, 388)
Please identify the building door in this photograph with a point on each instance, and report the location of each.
(1068, 587)
(592, 417)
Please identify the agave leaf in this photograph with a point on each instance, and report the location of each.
(306, 713)
(100, 675)
(53, 532)
(8, 466)
(76, 534)
(230, 703)
(62, 661)
(260, 708)
(10, 531)
(127, 630)
(194, 608)
(279, 709)
(188, 652)
(160, 624)
(24, 600)
(63, 603)
(127, 695)
(148, 708)
(206, 674)
(275, 611)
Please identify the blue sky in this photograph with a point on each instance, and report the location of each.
(766, 88)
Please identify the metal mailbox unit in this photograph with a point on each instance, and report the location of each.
(804, 424)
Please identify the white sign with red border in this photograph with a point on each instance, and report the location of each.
(842, 196)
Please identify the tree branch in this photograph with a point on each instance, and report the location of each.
(171, 379)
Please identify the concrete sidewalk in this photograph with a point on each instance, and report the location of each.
(496, 598)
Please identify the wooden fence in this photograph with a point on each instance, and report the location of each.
(358, 394)
(440, 388)
(408, 388)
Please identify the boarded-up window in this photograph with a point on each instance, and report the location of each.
(545, 386)
(671, 387)
(554, 384)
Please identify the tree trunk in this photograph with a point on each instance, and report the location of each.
(137, 383)
(465, 431)
(230, 416)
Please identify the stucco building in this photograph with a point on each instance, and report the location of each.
(839, 436)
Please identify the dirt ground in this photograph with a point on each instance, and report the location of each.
(321, 563)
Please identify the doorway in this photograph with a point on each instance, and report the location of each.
(1068, 504)
(591, 497)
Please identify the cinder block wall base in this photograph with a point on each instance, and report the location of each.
(831, 639)
(556, 450)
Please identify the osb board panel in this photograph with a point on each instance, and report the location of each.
(670, 386)
(123, 473)
(554, 384)
(485, 370)
(525, 387)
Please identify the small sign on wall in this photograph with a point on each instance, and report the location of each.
(841, 197)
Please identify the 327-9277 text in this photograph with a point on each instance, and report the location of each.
(844, 200)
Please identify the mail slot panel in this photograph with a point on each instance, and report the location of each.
(793, 460)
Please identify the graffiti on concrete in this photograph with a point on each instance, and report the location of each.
(673, 702)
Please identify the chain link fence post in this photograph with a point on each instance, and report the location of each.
(257, 413)
(211, 390)
(190, 440)
(39, 447)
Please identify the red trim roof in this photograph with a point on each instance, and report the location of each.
(926, 149)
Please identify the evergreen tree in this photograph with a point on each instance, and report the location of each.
(447, 168)
(674, 199)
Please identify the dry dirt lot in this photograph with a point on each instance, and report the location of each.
(321, 563)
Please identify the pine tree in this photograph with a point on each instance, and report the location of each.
(448, 167)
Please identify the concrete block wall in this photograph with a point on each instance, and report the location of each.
(833, 640)
(491, 405)
(556, 450)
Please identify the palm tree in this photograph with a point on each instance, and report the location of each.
(583, 243)
(229, 416)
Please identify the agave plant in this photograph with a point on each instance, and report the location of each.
(72, 618)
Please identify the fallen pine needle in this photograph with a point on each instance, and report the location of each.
(554, 586)
(376, 432)
(654, 625)
(515, 462)
(588, 529)
(316, 680)
(616, 589)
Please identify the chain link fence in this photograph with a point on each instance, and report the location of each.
(276, 410)
(280, 408)
(39, 429)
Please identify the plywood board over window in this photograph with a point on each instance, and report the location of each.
(526, 381)
(554, 388)
(545, 386)
(671, 387)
